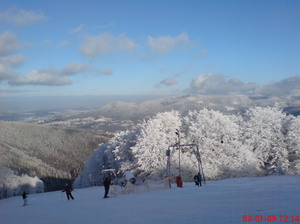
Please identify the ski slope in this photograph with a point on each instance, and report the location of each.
(226, 201)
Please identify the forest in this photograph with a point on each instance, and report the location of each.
(261, 141)
(54, 155)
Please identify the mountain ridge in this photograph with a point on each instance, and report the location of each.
(184, 103)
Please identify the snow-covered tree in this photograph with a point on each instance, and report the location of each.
(121, 147)
(230, 145)
(115, 154)
(293, 139)
(218, 136)
(264, 133)
(156, 135)
(13, 184)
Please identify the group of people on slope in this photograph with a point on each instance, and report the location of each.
(68, 189)
(198, 180)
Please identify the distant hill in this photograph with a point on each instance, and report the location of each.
(225, 104)
(120, 115)
(53, 154)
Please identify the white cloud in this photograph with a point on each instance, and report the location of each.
(6, 74)
(107, 72)
(12, 61)
(201, 54)
(47, 42)
(165, 44)
(76, 29)
(106, 43)
(286, 87)
(107, 25)
(73, 69)
(50, 76)
(8, 44)
(41, 77)
(167, 82)
(63, 43)
(217, 84)
(21, 17)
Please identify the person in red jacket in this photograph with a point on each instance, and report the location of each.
(68, 189)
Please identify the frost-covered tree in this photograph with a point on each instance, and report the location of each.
(218, 136)
(121, 147)
(230, 145)
(293, 140)
(264, 133)
(115, 154)
(156, 135)
(140, 150)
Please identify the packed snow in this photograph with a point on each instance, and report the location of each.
(236, 200)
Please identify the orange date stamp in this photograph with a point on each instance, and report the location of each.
(271, 218)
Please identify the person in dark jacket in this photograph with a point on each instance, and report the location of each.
(196, 180)
(24, 196)
(68, 189)
(199, 180)
(106, 184)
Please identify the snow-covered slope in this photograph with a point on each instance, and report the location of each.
(225, 201)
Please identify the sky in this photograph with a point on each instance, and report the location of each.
(82, 48)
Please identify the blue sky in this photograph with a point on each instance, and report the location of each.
(126, 47)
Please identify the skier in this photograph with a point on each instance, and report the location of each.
(68, 189)
(106, 184)
(199, 179)
(24, 196)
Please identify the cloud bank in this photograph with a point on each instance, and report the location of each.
(217, 84)
(55, 77)
(8, 44)
(286, 87)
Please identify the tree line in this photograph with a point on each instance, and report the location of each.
(261, 141)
